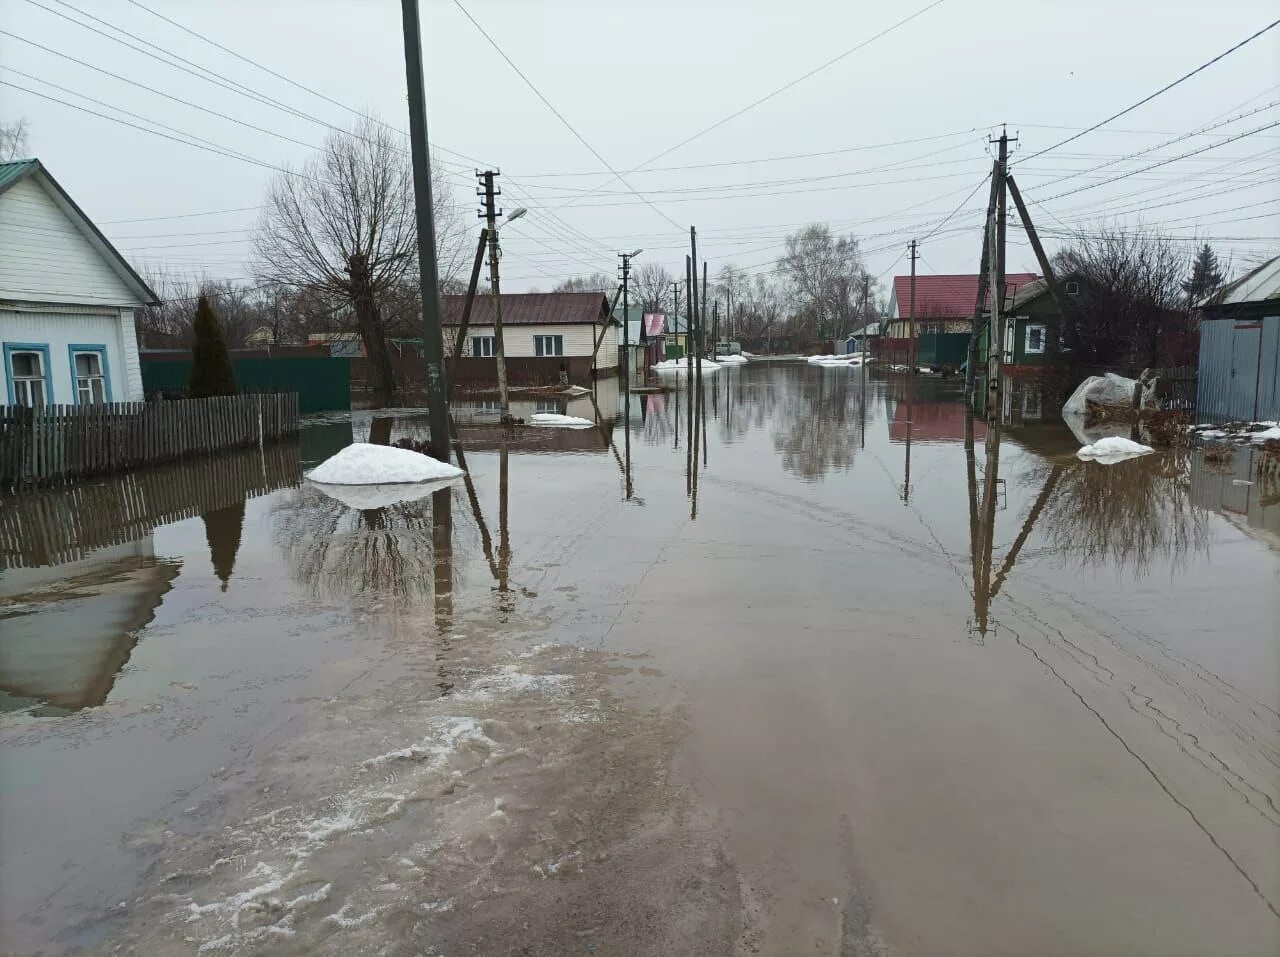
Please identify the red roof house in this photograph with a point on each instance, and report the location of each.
(946, 298)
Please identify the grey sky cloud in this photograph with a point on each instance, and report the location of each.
(885, 142)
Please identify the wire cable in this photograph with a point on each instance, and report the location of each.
(1152, 96)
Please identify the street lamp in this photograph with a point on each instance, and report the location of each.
(516, 214)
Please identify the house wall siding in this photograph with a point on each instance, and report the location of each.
(47, 258)
(113, 329)
(579, 340)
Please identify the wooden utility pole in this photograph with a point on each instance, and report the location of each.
(428, 269)
(715, 330)
(675, 311)
(911, 322)
(695, 315)
(995, 328)
(460, 342)
(489, 211)
(980, 302)
(1045, 267)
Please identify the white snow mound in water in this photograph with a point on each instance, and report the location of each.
(1113, 449)
(679, 365)
(364, 497)
(731, 360)
(363, 464)
(560, 421)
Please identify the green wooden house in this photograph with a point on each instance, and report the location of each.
(1032, 329)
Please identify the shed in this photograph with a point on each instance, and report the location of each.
(67, 299)
(1240, 349)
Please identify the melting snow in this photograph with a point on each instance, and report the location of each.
(682, 365)
(363, 464)
(1108, 451)
(559, 421)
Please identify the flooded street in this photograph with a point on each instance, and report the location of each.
(813, 674)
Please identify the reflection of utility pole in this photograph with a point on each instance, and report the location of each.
(980, 301)
(442, 557)
(504, 530)
(428, 270)
(489, 211)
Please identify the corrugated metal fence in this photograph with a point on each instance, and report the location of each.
(1239, 377)
(58, 443)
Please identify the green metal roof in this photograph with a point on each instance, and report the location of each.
(10, 173)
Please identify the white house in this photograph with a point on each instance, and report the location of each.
(543, 333)
(67, 299)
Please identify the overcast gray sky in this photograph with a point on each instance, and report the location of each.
(637, 78)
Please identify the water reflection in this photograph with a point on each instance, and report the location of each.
(222, 530)
(1125, 516)
(79, 577)
(816, 429)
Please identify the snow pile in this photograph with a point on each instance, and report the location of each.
(682, 365)
(731, 360)
(1254, 432)
(1109, 390)
(576, 390)
(553, 420)
(748, 355)
(1111, 450)
(381, 496)
(363, 464)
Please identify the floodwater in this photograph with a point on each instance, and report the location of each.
(828, 669)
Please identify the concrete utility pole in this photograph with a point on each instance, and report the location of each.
(715, 330)
(995, 330)
(428, 270)
(489, 212)
(911, 321)
(675, 299)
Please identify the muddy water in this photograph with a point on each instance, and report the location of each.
(845, 687)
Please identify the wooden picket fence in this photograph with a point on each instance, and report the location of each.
(61, 443)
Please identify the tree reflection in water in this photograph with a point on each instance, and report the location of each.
(1126, 515)
(812, 429)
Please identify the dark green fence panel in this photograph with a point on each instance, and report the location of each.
(323, 383)
(942, 348)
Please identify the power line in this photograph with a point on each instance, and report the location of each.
(982, 182)
(560, 116)
(800, 79)
(1164, 162)
(1152, 96)
(280, 76)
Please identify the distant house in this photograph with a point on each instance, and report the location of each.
(1032, 328)
(67, 299)
(943, 304)
(869, 331)
(260, 338)
(543, 334)
(943, 316)
(1239, 366)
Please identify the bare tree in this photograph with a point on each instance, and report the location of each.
(344, 226)
(600, 282)
(1132, 305)
(651, 288)
(825, 275)
(15, 139)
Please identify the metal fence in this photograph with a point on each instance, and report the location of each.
(1239, 370)
(59, 443)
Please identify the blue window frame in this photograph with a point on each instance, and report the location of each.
(90, 374)
(28, 375)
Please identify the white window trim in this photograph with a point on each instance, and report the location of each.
(492, 347)
(542, 340)
(1044, 338)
